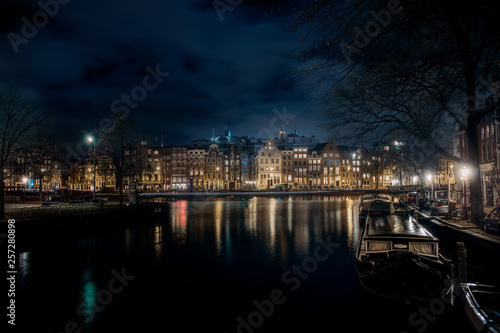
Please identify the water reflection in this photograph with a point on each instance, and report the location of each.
(24, 265)
(88, 296)
(272, 226)
(158, 242)
(218, 225)
(273, 213)
(179, 215)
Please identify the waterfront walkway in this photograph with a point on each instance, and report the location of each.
(466, 225)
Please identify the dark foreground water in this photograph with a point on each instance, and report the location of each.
(261, 265)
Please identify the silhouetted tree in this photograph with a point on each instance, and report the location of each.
(419, 67)
(114, 142)
(19, 122)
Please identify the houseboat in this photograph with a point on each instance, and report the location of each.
(397, 257)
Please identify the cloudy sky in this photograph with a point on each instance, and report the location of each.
(230, 69)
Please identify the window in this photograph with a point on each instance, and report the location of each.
(482, 132)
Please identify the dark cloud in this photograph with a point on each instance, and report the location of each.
(229, 73)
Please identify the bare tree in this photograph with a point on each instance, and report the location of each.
(115, 141)
(19, 122)
(416, 63)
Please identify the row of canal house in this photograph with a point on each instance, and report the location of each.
(271, 164)
(323, 166)
(229, 167)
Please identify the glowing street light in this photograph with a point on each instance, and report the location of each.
(91, 140)
(450, 174)
(465, 173)
(25, 180)
(429, 179)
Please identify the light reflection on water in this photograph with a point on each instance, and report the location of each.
(88, 296)
(179, 216)
(24, 265)
(252, 241)
(271, 224)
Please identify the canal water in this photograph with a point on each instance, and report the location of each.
(257, 265)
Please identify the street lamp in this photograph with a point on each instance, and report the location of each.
(429, 179)
(465, 173)
(449, 185)
(91, 140)
(24, 188)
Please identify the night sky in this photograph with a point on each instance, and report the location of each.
(229, 73)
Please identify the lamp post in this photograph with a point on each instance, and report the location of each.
(429, 179)
(91, 140)
(24, 188)
(462, 179)
(465, 173)
(449, 184)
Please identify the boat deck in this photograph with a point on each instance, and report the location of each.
(393, 225)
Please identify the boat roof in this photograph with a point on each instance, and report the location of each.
(394, 225)
(384, 206)
(376, 197)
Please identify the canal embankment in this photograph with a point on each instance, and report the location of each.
(481, 246)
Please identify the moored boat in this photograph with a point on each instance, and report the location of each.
(482, 306)
(366, 201)
(399, 207)
(398, 257)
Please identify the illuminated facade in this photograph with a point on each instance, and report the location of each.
(268, 166)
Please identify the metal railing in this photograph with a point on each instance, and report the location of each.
(40, 211)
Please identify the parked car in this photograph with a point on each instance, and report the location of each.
(412, 196)
(439, 207)
(492, 220)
